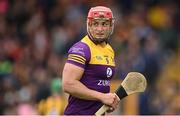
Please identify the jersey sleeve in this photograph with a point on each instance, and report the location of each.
(79, 54)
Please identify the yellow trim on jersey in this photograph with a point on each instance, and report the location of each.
(101, 55)
(75, 55)
(76, 60)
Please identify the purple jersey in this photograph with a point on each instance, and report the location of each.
(99, 66)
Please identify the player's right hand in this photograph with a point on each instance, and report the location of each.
(111, 100)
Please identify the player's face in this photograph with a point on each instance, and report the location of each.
(100, 28)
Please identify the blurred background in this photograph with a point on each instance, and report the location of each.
(35, 36)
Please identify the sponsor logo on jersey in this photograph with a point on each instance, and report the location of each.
(104, 83)
(109, 72)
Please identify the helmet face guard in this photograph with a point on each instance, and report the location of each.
(100, 16)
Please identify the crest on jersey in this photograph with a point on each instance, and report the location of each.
(109, 72)
(77, 50)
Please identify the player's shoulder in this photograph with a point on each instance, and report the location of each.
(79, 48)
(79, 54)
(80, 45)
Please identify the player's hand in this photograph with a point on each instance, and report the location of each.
(114, 105)
(111, 100)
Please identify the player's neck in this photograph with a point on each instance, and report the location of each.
(103, 44)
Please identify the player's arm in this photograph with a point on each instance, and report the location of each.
(71, 84)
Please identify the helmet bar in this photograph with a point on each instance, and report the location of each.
(98, 18)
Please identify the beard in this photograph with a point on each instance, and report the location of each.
(97, 40)
(100, 40)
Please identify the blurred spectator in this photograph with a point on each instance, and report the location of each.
(54, 104)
